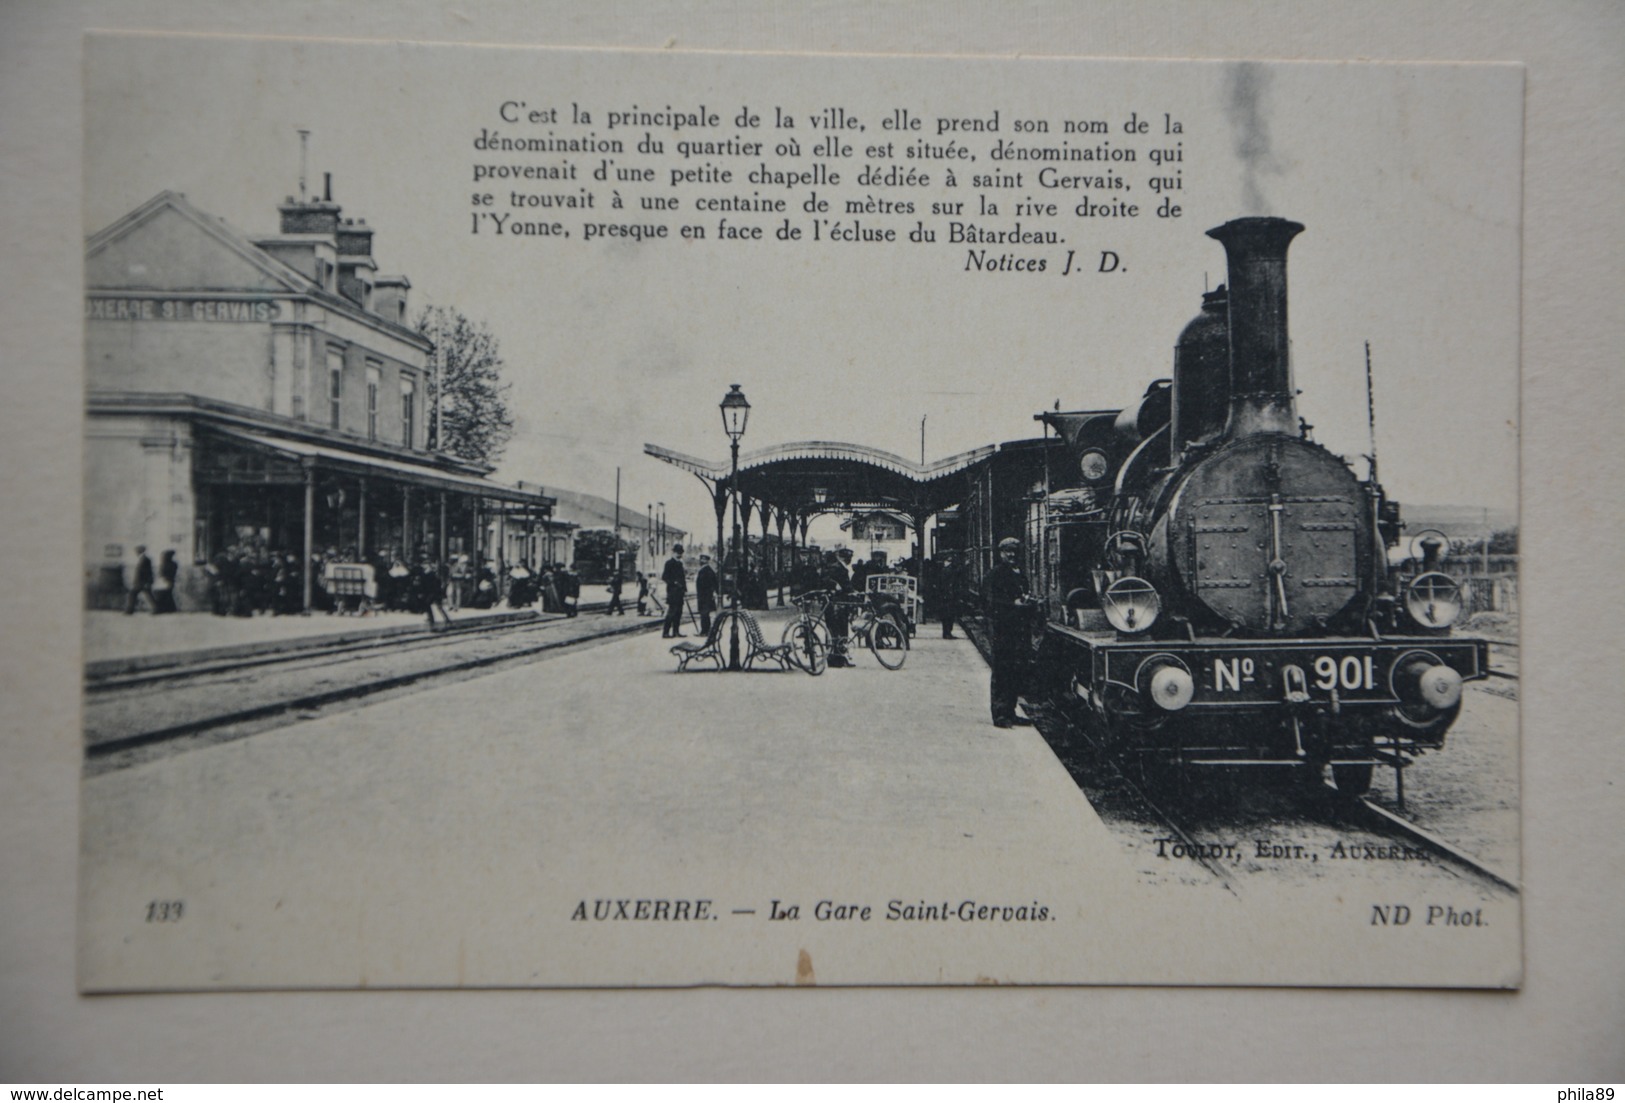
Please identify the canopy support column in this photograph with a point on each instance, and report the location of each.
(719, 502)
(920, 515)
(310, 530)
(765, 569)
(361, 523)
(778, 556)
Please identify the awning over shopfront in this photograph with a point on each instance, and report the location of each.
(352, 463)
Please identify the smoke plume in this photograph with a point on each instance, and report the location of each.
(1246, 106)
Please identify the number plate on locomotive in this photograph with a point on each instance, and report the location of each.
(1352, 674)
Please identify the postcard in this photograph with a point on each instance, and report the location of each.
(584, 518)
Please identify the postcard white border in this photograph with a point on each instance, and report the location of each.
(1559, 1028)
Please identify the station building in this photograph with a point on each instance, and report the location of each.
(879, 536)
(264, 393)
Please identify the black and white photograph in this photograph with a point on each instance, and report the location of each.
(608, 518)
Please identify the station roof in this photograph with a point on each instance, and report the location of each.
(256, 430)
(417, 474)
(820, 476)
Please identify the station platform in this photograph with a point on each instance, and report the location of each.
(116, 643)
(456, 834)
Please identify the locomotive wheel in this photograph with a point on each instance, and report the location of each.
(1353, 780)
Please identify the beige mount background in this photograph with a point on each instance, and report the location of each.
(1566, 1024)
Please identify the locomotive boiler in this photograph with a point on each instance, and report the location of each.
(1221, 589)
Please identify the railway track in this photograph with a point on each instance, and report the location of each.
(1381, 820)
(1304, 815)
(182, 670)
(1501, 671)
(1198, 851)
(129, 712)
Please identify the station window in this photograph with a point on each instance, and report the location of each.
(408, 413)
(335, 387)
(374, 371)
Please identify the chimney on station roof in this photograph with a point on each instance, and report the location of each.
(311, 216)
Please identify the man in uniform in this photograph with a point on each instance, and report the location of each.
(1007, 605)
(861, 570)
(675, 576)
(951, 594)
(705, 589)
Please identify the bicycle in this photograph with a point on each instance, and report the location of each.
(807, 634)
(881, 630)
(870, 624)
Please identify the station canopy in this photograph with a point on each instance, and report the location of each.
(813, 477)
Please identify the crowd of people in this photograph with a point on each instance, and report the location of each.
(251, 580)
(556, 587)
(248, 580)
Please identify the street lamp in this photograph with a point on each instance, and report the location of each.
(735, 413)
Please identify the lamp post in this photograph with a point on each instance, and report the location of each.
(735, 413)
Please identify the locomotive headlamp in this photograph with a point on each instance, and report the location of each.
(1093, 465)
(1433, 600)
(1131, 604)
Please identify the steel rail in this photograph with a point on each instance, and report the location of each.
(306, 701)
(314, 648)
(1380, 820)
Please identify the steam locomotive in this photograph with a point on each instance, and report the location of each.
(1220, 589)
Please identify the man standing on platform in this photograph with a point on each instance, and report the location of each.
(952, 583)
(861, 570)
(142, 583)
(705, 589)
(569, 590)
(1006, 602)
(675, 576)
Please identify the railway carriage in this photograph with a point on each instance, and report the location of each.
(1220, 589)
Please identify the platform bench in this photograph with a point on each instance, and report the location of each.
(687, 652)
(759, 647)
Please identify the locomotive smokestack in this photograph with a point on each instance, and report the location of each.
(1261, 393)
